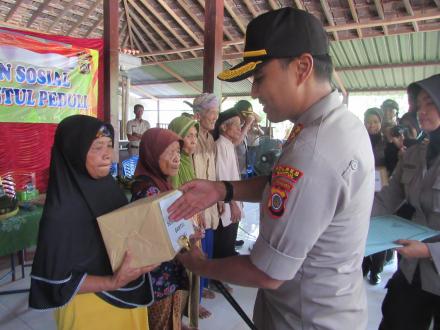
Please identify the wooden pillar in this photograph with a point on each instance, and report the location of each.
(111, 67)
(212, 58)
(126, 82)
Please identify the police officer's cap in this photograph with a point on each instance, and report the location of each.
(282, 33)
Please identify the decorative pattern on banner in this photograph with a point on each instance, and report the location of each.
(43, 81)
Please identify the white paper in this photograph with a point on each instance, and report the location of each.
(176, 229)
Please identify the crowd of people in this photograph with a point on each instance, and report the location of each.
(315, 206)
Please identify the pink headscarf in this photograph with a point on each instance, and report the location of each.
(153, 143)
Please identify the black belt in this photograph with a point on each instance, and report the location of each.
(136, 147)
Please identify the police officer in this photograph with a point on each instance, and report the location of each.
(315, 207)
(413, 297)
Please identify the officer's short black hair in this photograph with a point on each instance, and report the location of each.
(138, 107)
(322, 66)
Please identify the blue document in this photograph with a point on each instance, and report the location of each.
(385, 230)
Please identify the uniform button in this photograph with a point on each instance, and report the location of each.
(354, 165)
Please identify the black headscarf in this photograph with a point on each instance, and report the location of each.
(70, 245)
(431, 86)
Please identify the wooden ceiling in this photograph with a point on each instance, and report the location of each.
(161, 31)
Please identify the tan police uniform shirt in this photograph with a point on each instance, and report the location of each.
(139, 127)
(204, 168)
(314, 222)
(413, 182)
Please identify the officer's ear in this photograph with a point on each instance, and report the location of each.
(304, 67)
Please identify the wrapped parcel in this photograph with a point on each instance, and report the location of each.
(143, 228)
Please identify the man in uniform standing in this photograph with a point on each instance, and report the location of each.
(135, 128)
(315, 207)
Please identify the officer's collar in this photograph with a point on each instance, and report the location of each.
(320, 108)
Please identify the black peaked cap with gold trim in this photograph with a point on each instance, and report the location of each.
(282, 33)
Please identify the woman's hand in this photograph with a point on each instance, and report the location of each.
(413, 249)
(235, 212)
(125, 274)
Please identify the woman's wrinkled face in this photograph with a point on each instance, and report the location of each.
(169, 160)
(190, 141)
(207, 118)
(427, 112)
(99, 158)
(372, 124)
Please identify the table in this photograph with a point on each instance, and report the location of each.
(16, 234)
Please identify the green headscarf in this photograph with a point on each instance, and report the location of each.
(181, 126)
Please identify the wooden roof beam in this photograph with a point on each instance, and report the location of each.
(167, 26)
(189, 49)
(355, 16)
(149, 35)
(180, 22)
(386, 22)
(94, 26)
(13, 10)
(225, 31)
(381, 14)
(191, 14)
(329, 17)
(177, 76)
(410, 11)
(37, 12)
(250, 7)
(62, 13)
(273, 5)
(153, 25)
(235, 17)
(138, 35)
(129, 23)
(84, 17)
(299, 4)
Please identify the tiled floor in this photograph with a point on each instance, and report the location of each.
(14, 314)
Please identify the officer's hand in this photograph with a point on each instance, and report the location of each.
(413, 249)
(197, 196)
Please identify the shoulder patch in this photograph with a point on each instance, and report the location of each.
(289, 172)
(277, 201)
(283, 181)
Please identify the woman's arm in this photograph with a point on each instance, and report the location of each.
(124, 275)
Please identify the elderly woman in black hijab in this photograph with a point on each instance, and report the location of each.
(413, 297)
(71, 272)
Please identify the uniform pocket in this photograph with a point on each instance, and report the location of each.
(436, 195)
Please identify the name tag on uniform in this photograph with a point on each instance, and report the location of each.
(380, 178)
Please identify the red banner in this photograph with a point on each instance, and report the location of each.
(27, 147)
